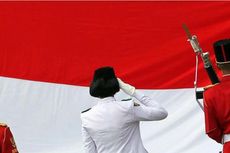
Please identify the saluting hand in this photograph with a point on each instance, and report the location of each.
(128, 89)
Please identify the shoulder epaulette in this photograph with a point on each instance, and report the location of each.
(210, 86)
(128, 99)
(86, 110)
(3, 124)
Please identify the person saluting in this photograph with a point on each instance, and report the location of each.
(112, 126)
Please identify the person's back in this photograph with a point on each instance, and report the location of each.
(113, 130)
(113, 126)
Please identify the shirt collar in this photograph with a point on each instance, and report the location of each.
(107, 99)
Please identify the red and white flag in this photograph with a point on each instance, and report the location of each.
(49, 51)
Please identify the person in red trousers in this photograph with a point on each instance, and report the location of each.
(217, 99)
(7, 143)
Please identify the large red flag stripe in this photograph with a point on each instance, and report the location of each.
(63, 42)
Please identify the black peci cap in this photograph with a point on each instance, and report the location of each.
(222, 51)
(104, 83)
(104, 73)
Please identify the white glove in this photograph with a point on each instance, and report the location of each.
(126, 87)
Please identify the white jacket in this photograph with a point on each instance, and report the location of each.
(113, 126)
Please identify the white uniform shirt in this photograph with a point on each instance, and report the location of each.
(113, 126)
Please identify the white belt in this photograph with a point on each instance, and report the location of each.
(226, 138)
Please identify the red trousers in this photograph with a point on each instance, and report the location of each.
(227, 147)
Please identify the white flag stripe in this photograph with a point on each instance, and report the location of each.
(45, 118)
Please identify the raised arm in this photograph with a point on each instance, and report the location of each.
(148, 110)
